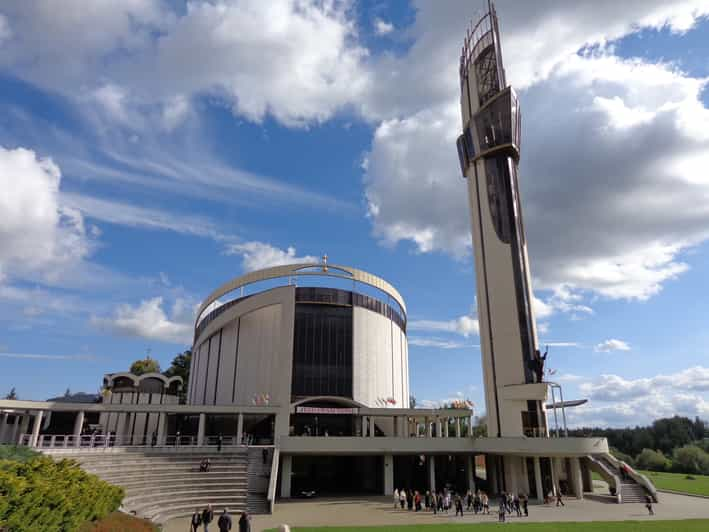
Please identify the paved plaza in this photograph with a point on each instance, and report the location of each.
(370, 511)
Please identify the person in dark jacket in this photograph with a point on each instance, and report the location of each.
(224, 522)
(244, 522)
(220, 440)
(196, 520)
(207, 517)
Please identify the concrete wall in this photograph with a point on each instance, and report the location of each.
(379, 359)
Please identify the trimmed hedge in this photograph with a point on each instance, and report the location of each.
(41, 494)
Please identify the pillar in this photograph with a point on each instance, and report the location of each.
(470, 471)
(35, 428)
(445, 427)
(575, 479)
(555, 474)
(457, 427)
(538, 480)
(404, 426)
(3, 427)
(286, 473)
(24, 427)
(388, 474)
(240, 434)
(200, 428)
(432, 473)
(15, 429)
(586, 476)
(371, 427)
(439, 428)
(78, 424)
(162, 426)
(429, 428)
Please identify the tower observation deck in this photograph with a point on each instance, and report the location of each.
(489, 152)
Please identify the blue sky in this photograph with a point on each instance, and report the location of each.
(150, 151)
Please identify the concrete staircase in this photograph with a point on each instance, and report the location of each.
(164, 483)
(630, 491)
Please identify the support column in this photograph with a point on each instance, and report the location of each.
(586, 476)
(429, 428)
(446, 422)
(388, 474)
(371, 427)
(200, 428)
(404, 426)
(432, 473)
(555, 474)
(24, 426)
(575, 477)
(439, 427)
(457, 427)
(3, 427)
(240, 433)
(78, 424)
(286, 473)
(470, 471)
(538, 480)
(15, 429)
(35, 428)
(162, 426)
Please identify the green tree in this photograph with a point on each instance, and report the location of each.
(180, 367)
(690, 459)
(12, 395)
(652, 460)
(146, 365)
(480, 428)
(622, 456)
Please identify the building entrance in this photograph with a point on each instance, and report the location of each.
(337, 475)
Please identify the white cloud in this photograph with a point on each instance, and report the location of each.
(259, 255)
(37, 234)
(297, 60)
(382, 27)
(32, 356)
(612, 344)
(5, 31)
(149, 320)
(617, 401)
(464, 325)
(115, 212)
(438, 343)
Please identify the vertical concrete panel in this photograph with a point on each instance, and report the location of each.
(201, 373)
(213, 368)
(226, 368)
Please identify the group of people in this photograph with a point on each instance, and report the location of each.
(512, 503)
(443, 501)
(224, 524)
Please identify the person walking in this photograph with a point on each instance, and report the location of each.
(224, 522)
(525, 504)
(501, 509)
(434, 503)
(409, 500)
(196, 520)
(440, 501)
(517, 505)
(469, 500)
(402, 498)
(458, 505)
(207, 517)
(220, 440)
(396, 498)
(648, 505)
(477, 503)
(427, 500)
(559, 500)
(485, 500)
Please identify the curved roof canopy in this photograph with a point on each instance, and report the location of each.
(302, 269)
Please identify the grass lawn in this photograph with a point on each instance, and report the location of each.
(694, 525)
(679, 482)
(119, 522)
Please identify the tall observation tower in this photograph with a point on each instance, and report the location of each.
(489, 151)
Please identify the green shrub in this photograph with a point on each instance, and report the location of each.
(19, 453)
(622, 456)
(690, 459)
(40, 494)
(652, 460)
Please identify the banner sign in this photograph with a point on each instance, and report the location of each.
(319, 410)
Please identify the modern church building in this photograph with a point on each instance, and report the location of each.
(311, 363)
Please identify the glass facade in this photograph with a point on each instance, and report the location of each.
(322, 350)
